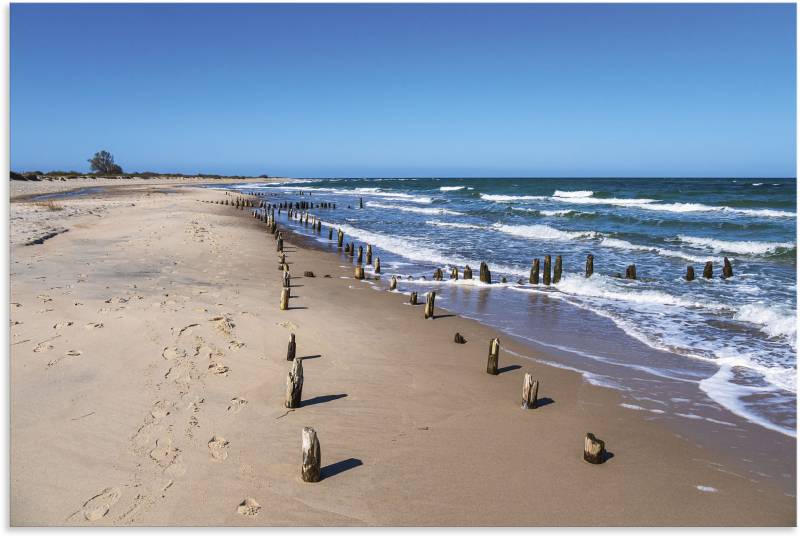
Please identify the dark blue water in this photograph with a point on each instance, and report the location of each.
(733, 339)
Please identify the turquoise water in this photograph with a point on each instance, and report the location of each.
(657, 338)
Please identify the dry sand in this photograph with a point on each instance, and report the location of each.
(148, 374)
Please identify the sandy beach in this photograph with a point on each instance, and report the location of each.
(148, 373)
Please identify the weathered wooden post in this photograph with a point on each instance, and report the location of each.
(467, 273)
(594, 449)
(294, 384)
(368, 260)
(530, 392)
(413, 299)
(485, 276)
(280, 244)
(437, 274)
(287, 279)
(454, 273)
(546, 275)
(290, 352)
(330, 233)
(494, 356)
(360, 203)
(534, 278)
(429, 303)
(630, 272)
(458, 338)
(312, 460)
(340, 239)
(708, 270)
(727, 269)
(689, 273)
(360, 254)
(589, 265)
(285, 298)
(377, 265)
(557, 270)
(358, 272)
(352, 252)
(347, 248)
(393, 283)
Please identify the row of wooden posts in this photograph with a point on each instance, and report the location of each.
(594, 449)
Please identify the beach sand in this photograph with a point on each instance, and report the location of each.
(148, 372)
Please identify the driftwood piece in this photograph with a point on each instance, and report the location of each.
(534, 278)
(485, 275)
(530, 392)
(630, 272)
(413, 298)
(546, 274)
(459, 339)
(312, 459)
(589, 265)
(727, 269)
(689, 273)
(291, 350)
(557, 270)
(494, 356)
(294, 384)
(429, 304)
(708, 270)
(594, 449)
(285, 298)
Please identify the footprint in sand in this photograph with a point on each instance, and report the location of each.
(217, 447)
(62, 324)
(161, 409)
(236, 405)
(218, 369)
(248, 507)
(164, 454)
(92, 326)
(97, 507)
(223, 324)
(173, 353)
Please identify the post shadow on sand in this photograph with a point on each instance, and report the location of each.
(543, 401)
(339, 467)
(297, 307)
(508, 368)
(443, 316)
(322, 399)
(311, 357)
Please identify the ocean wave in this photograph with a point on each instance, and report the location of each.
(737, 247)
(543, 232)
(505, 198)
(573, 193)
(757, 184)
(451, 188)
(457, 225)
(666, 252)
(772, 321)
(418, 210)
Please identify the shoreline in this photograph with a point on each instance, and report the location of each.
(409, 414)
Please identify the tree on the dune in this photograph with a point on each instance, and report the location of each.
(103, 162)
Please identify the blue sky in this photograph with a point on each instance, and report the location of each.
(414, 90)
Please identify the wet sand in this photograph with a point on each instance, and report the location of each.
(148, 375)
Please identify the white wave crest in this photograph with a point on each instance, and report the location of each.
(666, 252)
(735, 247)
(543, 232)
(450, 188)
(418, 210)
(572, 194)
(457, 225)
(503, 198)
(772, 320)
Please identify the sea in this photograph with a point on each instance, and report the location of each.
(700, 350)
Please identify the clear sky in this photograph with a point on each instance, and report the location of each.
(414, 90)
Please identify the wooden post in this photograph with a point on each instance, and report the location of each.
(429, 302)
(285, 298)
(534, 279)
(330, 233)
(454, 273)
(294, 384)
(485, 276)
(437, 274)
(280, 244)
(530, 392)
(546, 270)
(494, 356)
(413, 299)
(312, 459)
(459, 339)
(290, 352)
(393, 283)
(689, 273)
(557, 270)
(594, 450)
(347, 248)
(360, 203)
(708, 270)
(360, 254)
(727, 269)
(467, 273)
(358, 273)
(368, 260)
(377, 265)
(630, 272)
(589, 265)
(287, 279)
(340, 239)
